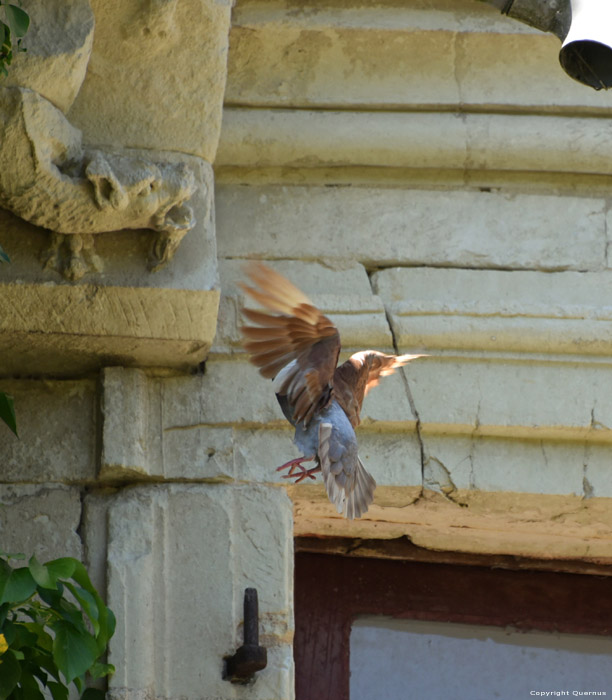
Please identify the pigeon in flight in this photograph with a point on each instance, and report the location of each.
(298, 347)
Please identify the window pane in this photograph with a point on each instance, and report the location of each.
(400, 659)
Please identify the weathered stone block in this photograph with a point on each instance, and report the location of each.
(520, 466)
(512, 397)
(539, 526)
(171, 428)
(56, 421)
(40, 520)
(420, 141)
(179, 558)
(92, 326)
(126, 100)
(58, 43)
(391, 457)
(495, 310)
(123, 314)
(384, 226)
(124, 410)
(121, 258)
(400, 57)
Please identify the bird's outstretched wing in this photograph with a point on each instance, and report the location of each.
(360, 373)
(296, 345)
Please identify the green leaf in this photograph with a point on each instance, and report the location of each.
(99, 670)
(72, 614)
(9, 632)
(24, 637)
(58, 691)
(45, 661)
(19, 587)
(107, 627)
(10, 673)
(17, 19)
(29, 687)
(4, 611)
(81, 576)
(42, 575)
(93, 694)
(74, 651)
(5, 575)
(7, 411)
(62, 568)
(106, 618)
(47, 575)
(3, 256)
(12, 555)
(87, 601)
(53, 598)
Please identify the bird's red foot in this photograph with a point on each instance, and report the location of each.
(294, 464)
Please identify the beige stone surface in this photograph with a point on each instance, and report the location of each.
(394, 56)
(539, 526)
(124, 415)
(58, 43)
(156, 76)
(382, 226)
(257, 138)
(56, 420)
(163, 586)
(497, 311)
(81, 328)
(40, 520)
(421, 14)
(518, 397)
(514, 465)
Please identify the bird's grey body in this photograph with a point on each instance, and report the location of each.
(330, 438)
(343, 442)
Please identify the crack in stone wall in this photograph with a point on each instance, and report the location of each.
(409, 396)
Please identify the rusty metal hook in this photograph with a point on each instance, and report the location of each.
(250, 657)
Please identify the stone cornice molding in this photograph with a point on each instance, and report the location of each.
(309, 139)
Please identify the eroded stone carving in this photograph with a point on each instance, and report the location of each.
(48, 178)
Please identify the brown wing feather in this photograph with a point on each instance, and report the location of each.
(296, 344)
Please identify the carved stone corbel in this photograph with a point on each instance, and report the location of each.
(49, 179)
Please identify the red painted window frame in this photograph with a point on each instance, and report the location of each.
(332, 591)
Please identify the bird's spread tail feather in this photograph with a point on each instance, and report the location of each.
(352, 490)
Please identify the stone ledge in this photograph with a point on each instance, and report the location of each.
(394, 56)
(498, 311)
(68, 330)
(263, 138)
(529, 525)
(540, 443)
